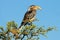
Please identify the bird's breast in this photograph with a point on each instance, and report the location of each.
(32, 14)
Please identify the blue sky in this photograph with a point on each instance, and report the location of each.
(48, 16)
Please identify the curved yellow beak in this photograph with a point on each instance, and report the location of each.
(38, 7)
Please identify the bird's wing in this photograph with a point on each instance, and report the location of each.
(28, 16)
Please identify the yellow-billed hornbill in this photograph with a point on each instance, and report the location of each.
(29, 15)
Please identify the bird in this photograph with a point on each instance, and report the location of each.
(30, 15)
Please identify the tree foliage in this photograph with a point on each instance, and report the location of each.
(28, 32)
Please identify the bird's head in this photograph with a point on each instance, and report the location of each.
(34, 7)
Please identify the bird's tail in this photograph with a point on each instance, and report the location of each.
(20, 27)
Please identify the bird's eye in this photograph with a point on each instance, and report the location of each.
(32, 6)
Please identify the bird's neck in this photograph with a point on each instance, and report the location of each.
(32, 10)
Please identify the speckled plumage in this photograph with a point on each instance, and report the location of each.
(30, 14)
(27, 17)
